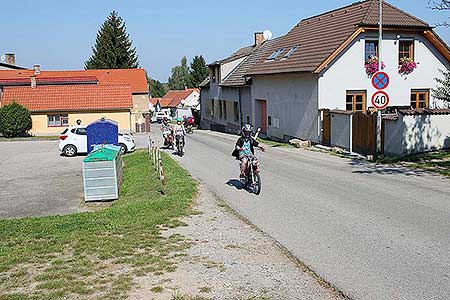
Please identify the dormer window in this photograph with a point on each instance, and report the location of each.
(289, 53)
(275, 54)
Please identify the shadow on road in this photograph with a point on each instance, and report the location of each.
(236, 183)
(364, 167)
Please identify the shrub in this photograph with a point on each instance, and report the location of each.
(15, 120)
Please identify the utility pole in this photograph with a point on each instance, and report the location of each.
(380, 41)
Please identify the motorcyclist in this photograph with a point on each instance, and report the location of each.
(165, 127)
(245, 146)
(179, 130)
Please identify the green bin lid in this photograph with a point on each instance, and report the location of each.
(101, 154)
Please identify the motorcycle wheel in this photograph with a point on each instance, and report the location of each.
(257, 184)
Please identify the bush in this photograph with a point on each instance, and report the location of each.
(15, 120)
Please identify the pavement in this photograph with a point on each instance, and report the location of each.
(36, 181)
(371, 231)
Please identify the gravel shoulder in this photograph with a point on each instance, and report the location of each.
(229, 259)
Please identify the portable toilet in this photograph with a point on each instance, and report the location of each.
(102, 132)
(102, 173)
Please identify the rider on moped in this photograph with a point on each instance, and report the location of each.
(245, 147)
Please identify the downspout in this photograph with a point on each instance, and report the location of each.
(240, 107)
(129, 116)
(351, 133)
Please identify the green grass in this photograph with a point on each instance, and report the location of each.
(31, 138)
(274, 143)
(95, 255)
(438, 161)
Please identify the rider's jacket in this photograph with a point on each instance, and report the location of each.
(240, 143)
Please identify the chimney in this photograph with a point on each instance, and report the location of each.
(37, 69)
(33, 82)
(10, 59)
(259, 38)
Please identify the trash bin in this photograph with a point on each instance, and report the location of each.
(102, 132)
(102, 173)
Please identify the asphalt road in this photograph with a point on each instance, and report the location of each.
(36, 181)
(371, 231)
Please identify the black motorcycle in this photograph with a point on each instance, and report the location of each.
(253, 177)
(179, 140)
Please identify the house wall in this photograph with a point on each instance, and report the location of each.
(40, 127)
(347, 71)
(340, 130)
(416, 134)
(292, 100)
(140, 105)
(192, 101)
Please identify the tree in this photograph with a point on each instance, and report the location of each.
(179, 79)
(113, 48)
(441, 5)
(198, 71)
(15, 120)
(157, 89)
(442, 91)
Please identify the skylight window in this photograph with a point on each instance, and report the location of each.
(289, 53)
(275, 54)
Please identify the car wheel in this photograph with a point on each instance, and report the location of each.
(123, 148)
(70, 150)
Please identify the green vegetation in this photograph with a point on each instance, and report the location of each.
(438, 161)
(274, 143)
(95, 255)
(188, 76)
(15, 120)
(442, 91)
(113, 48)
(31, 138)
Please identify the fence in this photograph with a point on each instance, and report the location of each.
(155, 157)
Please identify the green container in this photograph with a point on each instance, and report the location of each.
(102, 174)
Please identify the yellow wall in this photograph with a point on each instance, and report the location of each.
(40, 121)
(140, 105)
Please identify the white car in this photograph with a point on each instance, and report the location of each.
(73, 140)
(159, 116)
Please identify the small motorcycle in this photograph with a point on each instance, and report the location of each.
(168, 137)
(180, 144)
(253, 177)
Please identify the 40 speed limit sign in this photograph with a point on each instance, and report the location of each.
(380, 100)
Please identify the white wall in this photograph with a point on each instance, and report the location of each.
(347, 71)
(419, 133)
(192, 101)
(292, 99)
(340, 130)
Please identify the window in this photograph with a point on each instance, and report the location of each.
(81, 131)
(371, 49)
(405, 50)
(248, 119)
(420, 99)
(356, 101)
(224, 103)
(220, 109)
(59, 120)
(269, 120)
(236, 111)
(289, 53)
(212, 108)
(275, 54)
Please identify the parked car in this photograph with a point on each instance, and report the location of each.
(160, 115)
(73, 140)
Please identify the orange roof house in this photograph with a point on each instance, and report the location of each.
(177, 99)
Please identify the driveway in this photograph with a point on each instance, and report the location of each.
(36, 181)
(372, 231)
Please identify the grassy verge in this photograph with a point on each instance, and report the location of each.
(274, 143)
(438, 161)
(31, 138)
(95, 255)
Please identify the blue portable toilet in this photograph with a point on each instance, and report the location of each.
(102, 132)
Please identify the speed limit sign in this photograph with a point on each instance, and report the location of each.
(380, 100)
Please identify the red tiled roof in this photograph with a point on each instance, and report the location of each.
(317, 38)
(425, 111)
(136, 78)
(153, 101)
(173, 97)
(49, 80)
(79, 97)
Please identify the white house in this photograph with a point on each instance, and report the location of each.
(320, 64)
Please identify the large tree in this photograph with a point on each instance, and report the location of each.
(113, 48)
(198, 71)
(157, 89)
(179, 79)
(442, 5)
(442, 91)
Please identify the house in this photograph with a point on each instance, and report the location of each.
(8, 62)
(174, 100)
(225, 95)
(135, 78)
(320, 64)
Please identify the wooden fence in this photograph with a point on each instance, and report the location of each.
(155, 157)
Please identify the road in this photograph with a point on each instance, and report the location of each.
(371, 231)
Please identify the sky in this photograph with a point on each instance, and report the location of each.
(59, 35)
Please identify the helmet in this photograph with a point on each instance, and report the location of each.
(247, 130)
(179, 120)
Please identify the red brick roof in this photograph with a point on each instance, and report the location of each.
(317, 38)
(173, 98)
(49, 80)
(136, 78)
(77, 97)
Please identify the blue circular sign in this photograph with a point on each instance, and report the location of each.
(380, 80)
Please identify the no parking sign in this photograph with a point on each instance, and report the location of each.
(380, 81)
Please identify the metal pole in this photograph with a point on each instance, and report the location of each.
(380, 41)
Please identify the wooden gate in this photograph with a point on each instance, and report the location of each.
(326, 127)
(364, 133)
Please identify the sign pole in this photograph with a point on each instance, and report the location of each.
(380, 41)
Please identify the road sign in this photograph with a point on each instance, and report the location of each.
(380, 100)
(380, 80)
